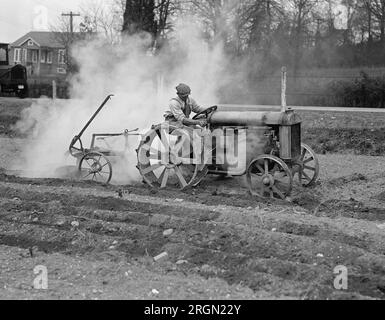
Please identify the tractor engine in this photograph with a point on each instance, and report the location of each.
(269, 131)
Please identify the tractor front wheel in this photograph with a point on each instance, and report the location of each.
(269, 177)
(308, 167)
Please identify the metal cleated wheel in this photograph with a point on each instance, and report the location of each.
(308, 166)
(165, 158)
(94, 166)
(269, 177)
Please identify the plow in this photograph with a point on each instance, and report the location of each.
(94, 163)
(264, 144)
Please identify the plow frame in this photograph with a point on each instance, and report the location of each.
(92, 162)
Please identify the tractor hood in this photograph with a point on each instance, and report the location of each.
(266, 116)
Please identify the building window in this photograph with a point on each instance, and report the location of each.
(30, 43)
(43, 56)
(3, 55)
(25, 55)
(49, 56)
(61, 70)
(34, 56)
(17, 56)
(61, 56)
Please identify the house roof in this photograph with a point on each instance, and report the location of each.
(45, 38)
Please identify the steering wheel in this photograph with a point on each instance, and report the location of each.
(206, 113)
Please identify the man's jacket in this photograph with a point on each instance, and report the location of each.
(180, 110)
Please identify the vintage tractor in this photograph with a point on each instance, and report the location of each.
(263, 143)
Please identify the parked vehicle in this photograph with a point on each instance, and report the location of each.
(13, 79)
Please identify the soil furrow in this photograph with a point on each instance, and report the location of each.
(240, 238)
(279, 248)
(103, 203)
(369, 240)
(221, 238)
(258, 274)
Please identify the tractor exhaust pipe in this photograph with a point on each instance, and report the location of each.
(283, 89)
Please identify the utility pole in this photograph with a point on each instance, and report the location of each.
(71, 15)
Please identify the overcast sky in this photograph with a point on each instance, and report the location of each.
(17, 17)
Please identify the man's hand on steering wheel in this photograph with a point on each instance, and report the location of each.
(204, 115)
(202, 122)
(200, 119)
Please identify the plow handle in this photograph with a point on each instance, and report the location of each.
(94, 116)
(78, 137)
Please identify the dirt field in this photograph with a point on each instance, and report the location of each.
(98, 242)
(342, 132)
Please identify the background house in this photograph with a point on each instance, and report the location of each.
(43, 53)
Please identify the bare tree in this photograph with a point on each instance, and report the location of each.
(363, 21)
(139, 16)
(215, 16)
(377, 8)
(351, 11)
(102, 19)
(368, 8)
(301, 18)
(62, 33)
(260, 18)
(149, 16)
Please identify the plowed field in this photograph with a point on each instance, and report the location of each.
(266, 250)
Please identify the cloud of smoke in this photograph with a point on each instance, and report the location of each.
(142, 84)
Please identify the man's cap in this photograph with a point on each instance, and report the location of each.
(183, 89)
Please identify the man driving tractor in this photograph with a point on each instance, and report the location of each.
(181, 107)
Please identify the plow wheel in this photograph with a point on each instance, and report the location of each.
(269, 177)
(165, 158)
(96, 167)
(309, 167)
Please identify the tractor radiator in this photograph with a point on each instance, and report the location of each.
(290, 142)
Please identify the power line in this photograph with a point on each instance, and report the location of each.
(71, 15)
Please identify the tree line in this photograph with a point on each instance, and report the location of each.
(296, 33)
(265, 35)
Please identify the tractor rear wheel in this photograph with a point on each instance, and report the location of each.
(166, 158)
